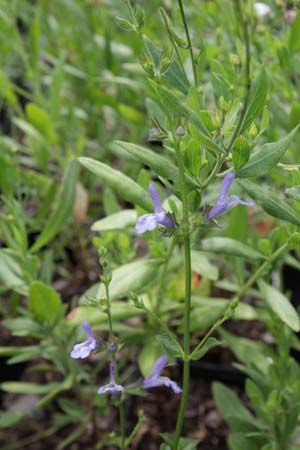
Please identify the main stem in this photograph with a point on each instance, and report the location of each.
(187, 304)
(162, 279)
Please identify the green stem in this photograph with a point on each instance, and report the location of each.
(161, 284)
(110, 329)
(234, 302)
(187, 304)
(165, 20)
(188, 38)
(244, 24)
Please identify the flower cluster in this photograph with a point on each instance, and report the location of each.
(84, 349)
(223, 204)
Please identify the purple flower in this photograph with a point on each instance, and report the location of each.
(112, 387)
(83, 350)
(150, 221)
(155, 380)
(224, 203)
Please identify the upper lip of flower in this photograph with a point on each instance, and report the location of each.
(224, 203)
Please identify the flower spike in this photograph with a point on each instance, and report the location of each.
(84, 349)
(155, 380)
(150, 221)
(224, 203)
(112, 387)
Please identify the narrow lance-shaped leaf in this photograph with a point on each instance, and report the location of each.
(257, 100)
(230, 247)
(63, 209)
(120, 183)
(264, 158)
(209, 344)
(240, 153)
(230, 406)
(159, 163)
(280, 305)
(116, 221)
(129, 277)
(270, 202)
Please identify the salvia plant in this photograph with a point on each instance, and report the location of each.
(215, 188)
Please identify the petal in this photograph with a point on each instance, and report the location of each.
(227, 182)
(159, 366)
(171, 384)
(111, 388)
(217, 210)
(146, 222)
(87, 329)
(233, 201)
(161, 381)
(155, 198)
(81, 351)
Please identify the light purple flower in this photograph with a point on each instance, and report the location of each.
(112, 387)
(150, 221)
(155, 380)
(224, 203)
(83, 350)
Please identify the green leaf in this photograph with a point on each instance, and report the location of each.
(257, 100)
(170, 344)
(246, 350)
(202, 265)
(120, 183)
(120, 311)
(9, 351)
(148, 356)
(134, 276)
(159, 163)
(231, 407)
(11, 272)
(240, 152)
(21, 326)
(44, 302)
(280, 305)
(270, 202)
(176, 107)
(56, 389)
(209, 344)
(174, 76)
(294, 193)
(264, 158)
(116, 221)
(40, 119)
(230, 247)
(10, 418)
(19, 387)
(294, 44)
(294, 114)
(238, 441)
(63, 209)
